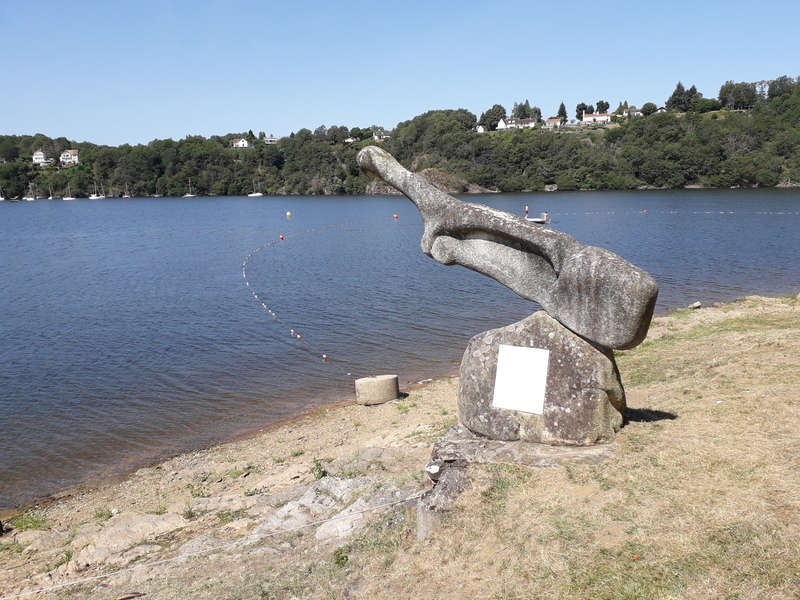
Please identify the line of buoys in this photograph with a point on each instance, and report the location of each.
(293, 333)
(678, 212)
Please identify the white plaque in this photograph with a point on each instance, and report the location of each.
(521, 379)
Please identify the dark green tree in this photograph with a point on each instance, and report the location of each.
(738, 95)
(492, 117)
(780, 86)
(580, 110)
(648, 108)
(602, 106)
(562, 113)
(678, 99)
(521, 110)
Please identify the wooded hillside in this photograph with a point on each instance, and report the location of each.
(688, 145)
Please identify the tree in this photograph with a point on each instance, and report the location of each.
(704, 105)
(522, 110)
(492, 117)
(648, 108)
(738, 95)
(602, 106)
(780, 86)
(562, 113)
(678, 98)
(590, 109)
(580, 110)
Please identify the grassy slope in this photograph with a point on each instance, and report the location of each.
(701, 499)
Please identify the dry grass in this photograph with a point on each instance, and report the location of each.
(701, 499)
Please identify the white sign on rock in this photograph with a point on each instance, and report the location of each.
(521, 378)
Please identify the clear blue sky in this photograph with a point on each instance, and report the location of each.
(114, 71)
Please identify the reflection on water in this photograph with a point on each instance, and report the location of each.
(129, 333)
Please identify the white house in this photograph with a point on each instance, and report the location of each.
(69, 157)
(598, 118)
(271, 140)
(481, 129)
(382, 134)
(240, 143)
(552, 123)
(631, 112)
(512, 123)
(39, 158)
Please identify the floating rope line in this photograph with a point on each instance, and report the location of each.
(678, 212)
(249, 539)
(272, 313)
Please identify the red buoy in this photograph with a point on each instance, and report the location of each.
(324, 357)
(281, 237)
(395, 216)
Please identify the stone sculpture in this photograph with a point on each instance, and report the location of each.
(593, 301)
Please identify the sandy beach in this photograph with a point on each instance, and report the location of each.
(702, 482)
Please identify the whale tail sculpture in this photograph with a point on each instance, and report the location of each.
(593, 301)
(591, 291)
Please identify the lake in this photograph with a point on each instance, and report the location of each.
(130, 334)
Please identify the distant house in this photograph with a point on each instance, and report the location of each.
(552, 123)
(661, 109)
(512, 123)
(271, 140)
(631, 112)
(69, 157)
(382, 134)
(351, 140)
(39, 158)
(598, 118)
(481, 129)
(240, 143)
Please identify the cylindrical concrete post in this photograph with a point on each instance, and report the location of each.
(377, 389)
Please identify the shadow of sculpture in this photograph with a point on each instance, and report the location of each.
(648, 415)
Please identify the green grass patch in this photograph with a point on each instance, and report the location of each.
(33, 519)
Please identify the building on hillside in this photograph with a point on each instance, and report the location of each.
(240, 143)
(553, 123)
(69, 157)
(511, 123)
(596, 119)
(40, 158)
(351, 140)
(271, 140)
(382, 134)
(481, 129)
(631, 112)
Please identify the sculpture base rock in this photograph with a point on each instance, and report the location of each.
(584, 400)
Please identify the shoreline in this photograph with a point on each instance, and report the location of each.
(120, 473)
(126, 466)
(707, 380)
(96, 480)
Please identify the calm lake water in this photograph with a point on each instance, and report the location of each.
(129, 333)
